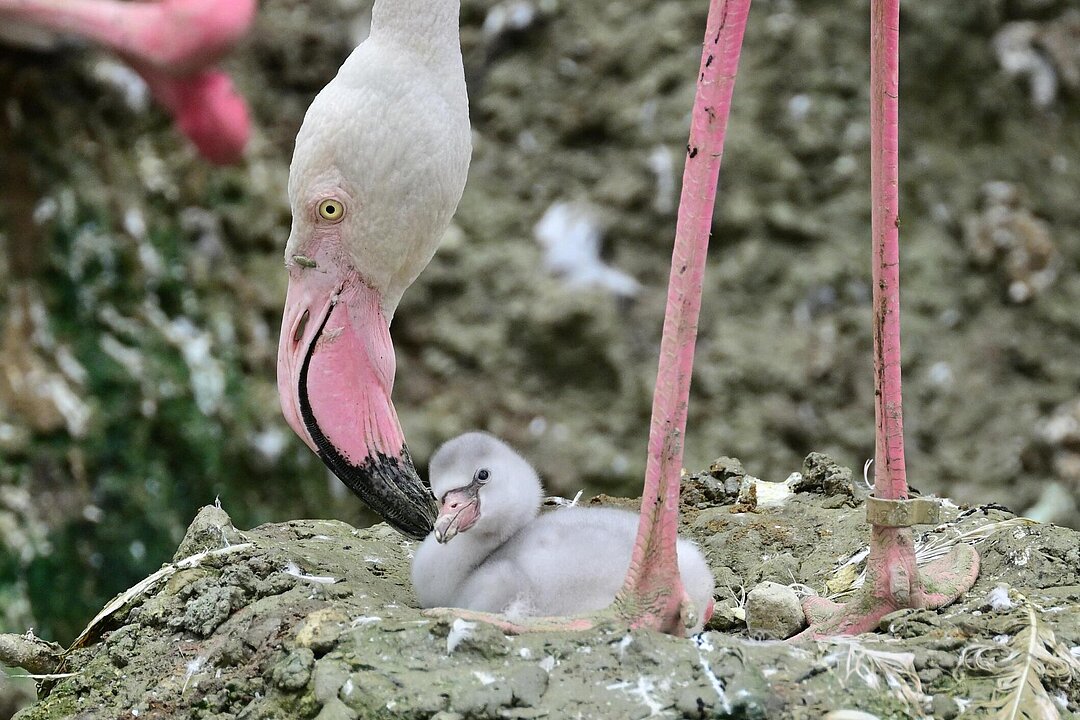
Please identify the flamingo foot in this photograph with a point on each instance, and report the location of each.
(667, 610)
(893, 582)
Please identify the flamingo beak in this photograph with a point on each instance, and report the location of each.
(459, 511)
(335, 374)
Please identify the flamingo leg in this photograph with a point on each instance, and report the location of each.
(172, 44)
(173, 36)
(653, 595)
(893, 580)
(207, 109)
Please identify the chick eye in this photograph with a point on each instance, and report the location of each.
(482, 475)
(331, 209)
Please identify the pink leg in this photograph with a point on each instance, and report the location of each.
(653, 595)
(172, 44)
(173, 36)
(892, 579)
(206, 108)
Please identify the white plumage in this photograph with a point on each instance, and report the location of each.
(510, 560)
(389, 136)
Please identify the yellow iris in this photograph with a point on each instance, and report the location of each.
(331, 209)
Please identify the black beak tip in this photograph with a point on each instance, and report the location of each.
(391, 487)
(418, 523)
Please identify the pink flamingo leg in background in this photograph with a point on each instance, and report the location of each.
(177, 36)
(653, 595)
(893, 581)
(172, 44)
(207, 109)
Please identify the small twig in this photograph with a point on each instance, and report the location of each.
(30, 653)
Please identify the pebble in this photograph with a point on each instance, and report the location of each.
(328, 678)
(336, 710)
(528, 684)
(944, 707)
(320, 630)
(212, 529)
(294, 670)
(773, 611)
(696, 702)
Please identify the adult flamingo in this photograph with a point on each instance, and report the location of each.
(378, 169)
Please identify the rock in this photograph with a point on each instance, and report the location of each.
(479, 700)
(294, 670)
(727, 616)
(211, 529)
(528, 685)
(329, 676)
(782, 568)
(336, 710)
(821, 474)
(206, 611)
(746, 501)
(944, 707)
(696, 702)
(725, 468)
(121, 644)
(773, 611)
(320, 630)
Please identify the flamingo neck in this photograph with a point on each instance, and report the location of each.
(429, 27)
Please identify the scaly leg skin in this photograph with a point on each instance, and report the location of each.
(653, 595)
(893, 582)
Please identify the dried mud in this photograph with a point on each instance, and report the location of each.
(313, 618)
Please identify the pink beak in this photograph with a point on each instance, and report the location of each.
(335, 374)
(460, 510)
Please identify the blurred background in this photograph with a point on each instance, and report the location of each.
(141, 288)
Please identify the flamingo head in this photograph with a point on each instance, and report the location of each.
(361, 233)
(483, 486)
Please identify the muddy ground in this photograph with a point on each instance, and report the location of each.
(313, 618)
(142, 289)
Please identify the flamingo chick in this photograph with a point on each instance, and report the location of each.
(490, 551)
(378, 169)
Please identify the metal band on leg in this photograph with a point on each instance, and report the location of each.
(902, 513)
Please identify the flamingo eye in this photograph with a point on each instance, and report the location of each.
(331, 210)
(482, 475)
